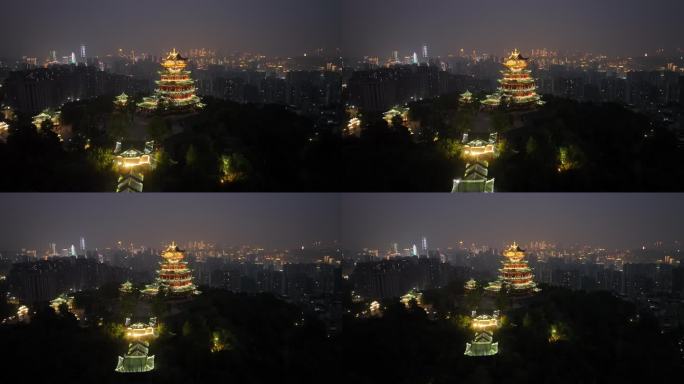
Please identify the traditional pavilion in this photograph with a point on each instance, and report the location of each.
(470, 285)
(174, 277)
(131, 164)
(466, 98)
(126, 287)
(477, 148)
(137, 359)
(175, 90)
(121, 101)
(483, 344)
(517, 88)
(62, 299)
(47, 115)
(4, 131)
(475, 179)
(516, 277)
(353, 127)
(397, 111)
(411, 295)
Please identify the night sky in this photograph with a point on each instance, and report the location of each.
(607, 26)
(359, 27)
(283, 220)
(365, 220)
(608, 220)
(274, 27)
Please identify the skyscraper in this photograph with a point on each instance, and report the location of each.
(83, 245)
(425, 247)
(83, 53)
(73, 58)
(426, 58)
(415, 58)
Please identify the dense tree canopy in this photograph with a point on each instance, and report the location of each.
(556, 336)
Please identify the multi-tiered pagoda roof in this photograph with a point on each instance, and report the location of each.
(517, 88)
(173, 275)
(175, 89)
(515, 276)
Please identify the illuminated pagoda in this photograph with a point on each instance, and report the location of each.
(477, 148)
(126, 287)
(483, 344)
(410, 296)
(61, 300)
(137, 359)
(517, 86)
(54, 117)
(516, 276)
(466, 98)
(174, 277)
(397, 111)
(175, 90)
(121, 101)
(475, 179)
(470, 285)
(47, 115)
(131, 164)
(4, 131)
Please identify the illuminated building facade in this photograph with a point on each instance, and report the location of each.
(175, 90)
(174, 277)
(126, 287)
(483, 344)
(137, 359)
(47, 115)
(4, 131)
(402, 112)
(517, 86)
(516, 276)
(475, 179)
(412, 295)
(466, 98)
(121, 101)
(131, 164)
(470, 285)
(54, 117)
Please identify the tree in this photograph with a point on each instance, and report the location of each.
(157, 128)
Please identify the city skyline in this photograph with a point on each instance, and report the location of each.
(613, 221)
(352, 221)
(611, 27)
(35, 220)
(266, 26)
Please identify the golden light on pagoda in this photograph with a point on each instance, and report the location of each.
(517, 86)
(175, 89)
(515, 62)
(516, 276)
(478, 148)
(173, 254)
(173, 276)
(140, 331)
(514, 253)
(485, 323)
(174, 62)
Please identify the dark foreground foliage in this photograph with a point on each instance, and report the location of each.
(599, 338)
